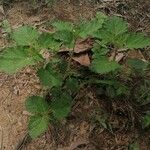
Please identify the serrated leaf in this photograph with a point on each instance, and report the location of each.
(138, 64)
(89, 27)
(15, 58)
(137, 40)
(62, 25)
(61, 105)
(25, 35)
(49, 77)
(66, 37)
(104, 35)
(47, 41)
(120, 40)
(98, 50)
(102, 65)
(116, 25)
(36, 104)
(38, 125)
(101, 16)
(108, 37)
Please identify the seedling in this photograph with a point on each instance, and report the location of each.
(111, 35)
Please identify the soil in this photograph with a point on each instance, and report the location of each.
(79, 131)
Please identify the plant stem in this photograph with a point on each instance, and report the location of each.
(69, 62)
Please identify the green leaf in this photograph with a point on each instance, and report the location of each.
(89, 27)
(102, 65)
(25, 35)
(110, 92)
(62, 66)
(146, 121)
(116, 25)
(120, 40)
(47, 41)
(38, 125)
(50, 2)
(118, 86)
(62, 25)
(36, 104)
(98, 50)
(138, 64)
(49, 77)
(72, 85)
(113, 32)
(61, 105)
(66, 37)
(137, 40)
(104, 35)
(15, 58)
(134, 146)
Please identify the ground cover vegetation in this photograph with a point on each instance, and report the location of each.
(110, 77)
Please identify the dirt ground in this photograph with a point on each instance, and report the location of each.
(78, 132)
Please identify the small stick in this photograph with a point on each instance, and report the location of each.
(24, 141)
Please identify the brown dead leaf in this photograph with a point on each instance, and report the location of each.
(2, 13)
(83, 59)
(81, 46)
(135, 54)
(116, 56)
(119, 57)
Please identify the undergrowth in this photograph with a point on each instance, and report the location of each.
(111, 36)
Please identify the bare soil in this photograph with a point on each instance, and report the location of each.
(79, 131)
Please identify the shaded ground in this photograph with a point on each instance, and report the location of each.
(80, 131)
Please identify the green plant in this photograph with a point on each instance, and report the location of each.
(141, 89)
(61, 80)
(134, 146)
(49, 2)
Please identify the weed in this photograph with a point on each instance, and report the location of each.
(134, 146)
(111, 36)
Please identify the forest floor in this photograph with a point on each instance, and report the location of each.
(79, 132)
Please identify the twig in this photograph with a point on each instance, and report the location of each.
(24, 141)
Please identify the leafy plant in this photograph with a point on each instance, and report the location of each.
(40, 120)
(28, 35)
(62, 82)
(141, 93)
(49, 2)
(134, 146)
(146, 120)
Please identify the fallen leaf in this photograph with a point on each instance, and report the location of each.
(83, 59)
(2, 13)
(119, 57)
(2, 10)
(81, 46)
(112, 56)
